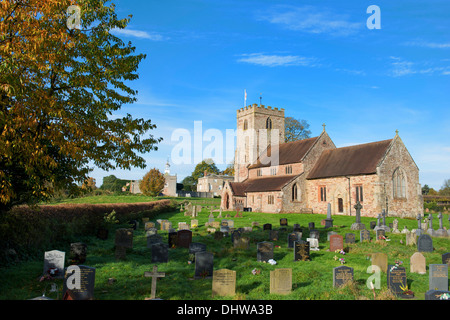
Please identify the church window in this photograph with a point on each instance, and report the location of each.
(399, 183)
(259, 173)
(245, 124)
(288, 169)
(359, 193)
(323, 193)
(273, 171)
(270, 199)
(295, 196)
(269, 123)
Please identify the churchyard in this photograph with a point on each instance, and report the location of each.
(202, 253)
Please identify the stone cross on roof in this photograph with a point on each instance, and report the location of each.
(154, 275)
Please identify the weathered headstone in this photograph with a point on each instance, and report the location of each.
(173, 239)
(273, 235)
(283, 222)
(301, 251)
(154, 275)
(78, 252)
(314, 234)
(264, 251)
(267, 226)
(194, 223)
(396, 278)
(149, 225)
(184, 238)
(438, 278)
(342, 275)
(281, 281)
(349, 238)
(195, 247)
(329, 234)
(297, 228)
(380, 259)
(311, 225)
(160, 252)
(411, 239)
(123, 241)
(381, 233)
(441, 232)
(418, 263)
(54, 263)
(218, 235)
(364, 235)
(446, 258)
(242, 243)
(80, 281)
(204, 265)
(313, 244)
(425, 243)
(292, 237)
(336, 242)
(224, 283)
(329, 219)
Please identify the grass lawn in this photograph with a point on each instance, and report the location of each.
(310, 279)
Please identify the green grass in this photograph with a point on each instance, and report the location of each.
(311, 279)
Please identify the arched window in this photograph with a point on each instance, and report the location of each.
(294, 192)
(269, 123)
(245, 124)
(399, 183)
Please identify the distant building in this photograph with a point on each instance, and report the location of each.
(212, 183)
(170, 186)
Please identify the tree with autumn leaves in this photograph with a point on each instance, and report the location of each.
(58, 88)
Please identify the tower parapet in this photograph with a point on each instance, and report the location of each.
(255, 108)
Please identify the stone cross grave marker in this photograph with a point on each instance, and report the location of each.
(79, 281)
(438, 278)
(154, 275)
(224, 283)
(54, 263)
(358, 225)
(281, 281)
(341, 275)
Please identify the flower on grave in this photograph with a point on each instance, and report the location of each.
(53, 271)
(335, 258)
(277, 246)
(396, 265)
(342, 260)
(256, 271)
(204, 274)
(406, 290)
(272, 262)
(189, 262)
(444, 296)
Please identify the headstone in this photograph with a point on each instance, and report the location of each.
(173, 239)
(160, 252)
(195, 247)
(418, 263)
(313, 244)
(151, 232)
(218, 235)
(194, 223)
(301, 251)
(381, 233)
(328, 220)
(273, 235)
(184, 238)
(54, 263)
(154, 275)
(204, 265)
(446, 258)
(124, 238)
(314, 234)
(341, 275)
(224, 283)
(419, 230)
(336, 242)
(437, 295)
(80, 280)
(264, 251)
(380, 259)
(297, 228)
(364, 235)
(281, 281)
(349, 238)
(311, 225)
(267, 226)
(283, 222)
(236, 234)
(292, 237)
(411, 239)
(425, 243)
(438, 279)
(358, 225)
(242, 243)
(372, 224)
(153, 239)
(441, 232)
(430, 229)
(329, 234)
(183, 226)
(78, 252)
(396, 278)
(149, 225)
(395, 226)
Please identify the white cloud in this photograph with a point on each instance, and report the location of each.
(425, 44)
(138, 34)
(276, 60)
(310, 19)
(402, 67)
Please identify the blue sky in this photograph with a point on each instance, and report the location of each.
(316, 59)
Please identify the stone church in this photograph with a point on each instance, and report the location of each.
(304, 176)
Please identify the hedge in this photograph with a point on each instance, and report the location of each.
(24, 230)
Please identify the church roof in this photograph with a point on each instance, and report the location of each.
(274, 183)
(353, 160)
(289, 152)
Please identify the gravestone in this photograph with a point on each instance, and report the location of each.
(418, 263)
(204, 265)
(224, 283)
(151, 232)
(364, 235)
(411, 239)
(349, 238)
(329, 219)
(54, 263)
(264, 251)
(78, 252)
(358, 225)
(195, 247)
(160, 252)
(292, 237)
(425, 243)
(329, 234)
(437, 295)
(194, 223)
(154, 275)
(301, 251)
(123, 241)
(313, 244)
(438, 278)
(149, 225)
(441, 232)
(396, 278)
(184, 238)
(242, 243)
(311, 225)
(281, 281)
(79, 280)
(218, 235)
(395, 226)
(235, 235)
(372, 224)
(273, 235)
(173, 239)
(430, 229)
(314, 234)
(283, 222)
(380, 259)
(342, 275)
(446, 258)
(381, 233)
(267, 226)
(419, 230)
(297, 228)
(336, 242)
(183, 226)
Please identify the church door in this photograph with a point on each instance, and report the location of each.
(340, 205)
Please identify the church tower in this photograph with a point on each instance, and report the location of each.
(257, 127)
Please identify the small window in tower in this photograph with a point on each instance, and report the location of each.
(245, 124)
(269, 123)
